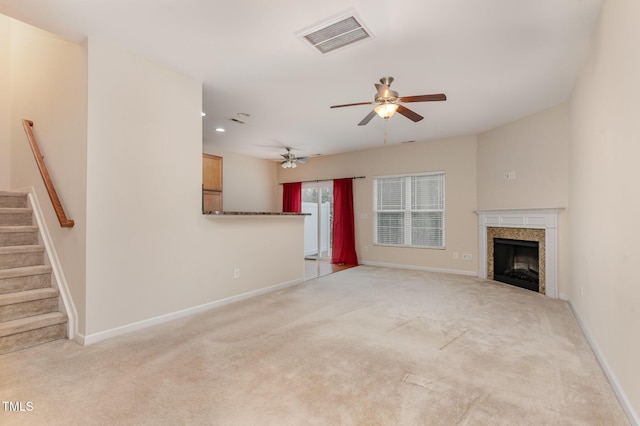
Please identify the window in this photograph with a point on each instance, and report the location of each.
(409, 210)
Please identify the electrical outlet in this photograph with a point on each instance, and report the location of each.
(455, 254)
(581, 292)
(509, 175)
(467, 256)
(236, 273)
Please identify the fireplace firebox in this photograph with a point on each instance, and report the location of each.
(516, 262)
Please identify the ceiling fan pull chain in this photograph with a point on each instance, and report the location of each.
(386, 129)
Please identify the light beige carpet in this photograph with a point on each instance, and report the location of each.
(364, 346)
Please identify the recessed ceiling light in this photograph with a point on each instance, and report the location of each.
(220, 129)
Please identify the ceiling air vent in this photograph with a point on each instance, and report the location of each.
(336, 34)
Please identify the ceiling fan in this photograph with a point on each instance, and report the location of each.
(389, 102)
(290, 160)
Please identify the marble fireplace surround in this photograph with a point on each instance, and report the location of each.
(521, 224)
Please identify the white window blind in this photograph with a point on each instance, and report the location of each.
(409, 210)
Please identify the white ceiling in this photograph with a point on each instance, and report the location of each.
(496, 60)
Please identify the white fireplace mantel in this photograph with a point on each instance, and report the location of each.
(546, 219)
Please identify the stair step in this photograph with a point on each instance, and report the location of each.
(15, 216)
(27, 332)
(21, 325)
(28, 303)
(27, 295)
(20, 256)
(27, 278)
(18, 235)
(13, 199)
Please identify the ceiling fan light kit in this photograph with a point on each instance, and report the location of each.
(290, 160)
(389, 102)
(386, 110)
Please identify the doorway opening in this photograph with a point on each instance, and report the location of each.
(317, 201)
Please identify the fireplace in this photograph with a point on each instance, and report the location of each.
(531, 226)
(516, 262)
(525, 237)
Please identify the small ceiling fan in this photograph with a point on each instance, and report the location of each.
(290, 160)
(389, 102)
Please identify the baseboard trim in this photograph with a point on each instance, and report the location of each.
(139, 325)
(56, 266)
(420, 268)
(615, 384)
(79, 338)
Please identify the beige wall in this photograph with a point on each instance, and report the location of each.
(48, 86)
(249, 184)
(5, 101)
(536, 148)
(150, 251)
(122, 139)
(457, 157)
(604, 195)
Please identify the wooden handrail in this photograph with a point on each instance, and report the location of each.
(48, 183)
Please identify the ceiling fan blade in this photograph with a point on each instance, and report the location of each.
(424, 98)
(367, 118)
(301, 160)
(413, 116)
(347, 105)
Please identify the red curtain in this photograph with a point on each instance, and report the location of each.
(292, 197)
(344, 236)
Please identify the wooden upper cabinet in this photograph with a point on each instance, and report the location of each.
(211, 172)
(211, 183)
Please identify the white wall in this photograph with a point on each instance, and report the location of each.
(249, 184)
(48, 86)
(150, 251)
(536, 148)
(604, 195)
(456, 156)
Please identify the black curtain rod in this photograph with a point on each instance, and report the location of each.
(324, 180)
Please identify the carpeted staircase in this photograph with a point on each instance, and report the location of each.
(29, 306)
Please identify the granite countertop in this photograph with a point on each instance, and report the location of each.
(225, 213)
